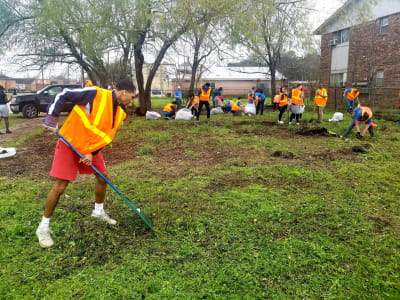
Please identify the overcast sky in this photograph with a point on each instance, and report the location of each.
(320, 10)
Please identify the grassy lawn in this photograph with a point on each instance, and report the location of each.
(242, 209)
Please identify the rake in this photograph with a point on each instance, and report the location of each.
(144, 218)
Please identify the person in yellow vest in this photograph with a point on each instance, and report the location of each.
(283, 103)
(204, 97)
(351, 95)
(361, 114)
(169, 110)
(296, 104)
(237, 107)
(321, 97)
(193, 103)
(88, 83)
(91, 125)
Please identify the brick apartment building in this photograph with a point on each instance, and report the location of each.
(361, 47)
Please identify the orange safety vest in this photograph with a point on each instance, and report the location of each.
(277, 99)
(89, 83)
(195, 102)
(91, 132)
(168, 107)
(351, 95)
(319, 100)
(250, 95)
(205, 96)
(284, 101)
(296, 97)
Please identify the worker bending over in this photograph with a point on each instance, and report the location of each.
(361, 114)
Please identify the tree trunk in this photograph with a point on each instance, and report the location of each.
(193, 77)
(195, 66)
(273, 80)
(139, 61)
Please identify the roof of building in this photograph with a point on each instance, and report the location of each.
(237, 74)
(240, 73)
(354, 12)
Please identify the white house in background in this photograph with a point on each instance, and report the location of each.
(235, 81)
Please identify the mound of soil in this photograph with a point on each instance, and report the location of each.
(284, 154)
(359, 149)
(314, 131)
(386, 117)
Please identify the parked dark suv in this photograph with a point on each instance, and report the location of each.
(33, 104)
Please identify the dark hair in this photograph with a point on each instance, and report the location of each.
(126, 84)
(191, 95)
(281, 89)
(1, 88)
(207, 84)
(259, 91)
(298, 85)
(174, 102)
(239, 98)
(220, 88)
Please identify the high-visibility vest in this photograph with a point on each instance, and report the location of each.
(236, 106)
(296, 97)
(195, 102)
(319, 100)
(351, 95)
(250, 95)
(168, 107)
(91, 132)
(284, 101)
(366, 112)
(277, 99)
(205, 95)
(89, 83)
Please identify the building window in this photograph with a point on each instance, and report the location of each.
(342, 36)
(384, 25)
(380, 75)
(337, 80)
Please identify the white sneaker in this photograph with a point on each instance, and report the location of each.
(103, 216)
(281, 122)
(297, 123)
(43, 234)
(290, 123)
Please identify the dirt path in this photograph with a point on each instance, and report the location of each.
(20, 129)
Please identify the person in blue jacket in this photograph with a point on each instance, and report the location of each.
(178, 97)
(361, 114)
(260, 100)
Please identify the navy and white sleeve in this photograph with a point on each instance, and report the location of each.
(81, 96)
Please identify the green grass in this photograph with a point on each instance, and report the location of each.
(245, 225)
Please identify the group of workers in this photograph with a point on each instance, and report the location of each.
(104, 109)
(292, 101)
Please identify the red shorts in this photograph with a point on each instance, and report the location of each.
(66, 163)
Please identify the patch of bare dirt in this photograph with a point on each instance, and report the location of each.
(315, 132)
(20, 130)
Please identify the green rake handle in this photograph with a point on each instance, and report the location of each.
(144, 218)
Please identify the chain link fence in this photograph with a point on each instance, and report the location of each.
(379, 99)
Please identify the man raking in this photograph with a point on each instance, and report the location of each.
(91, 125)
